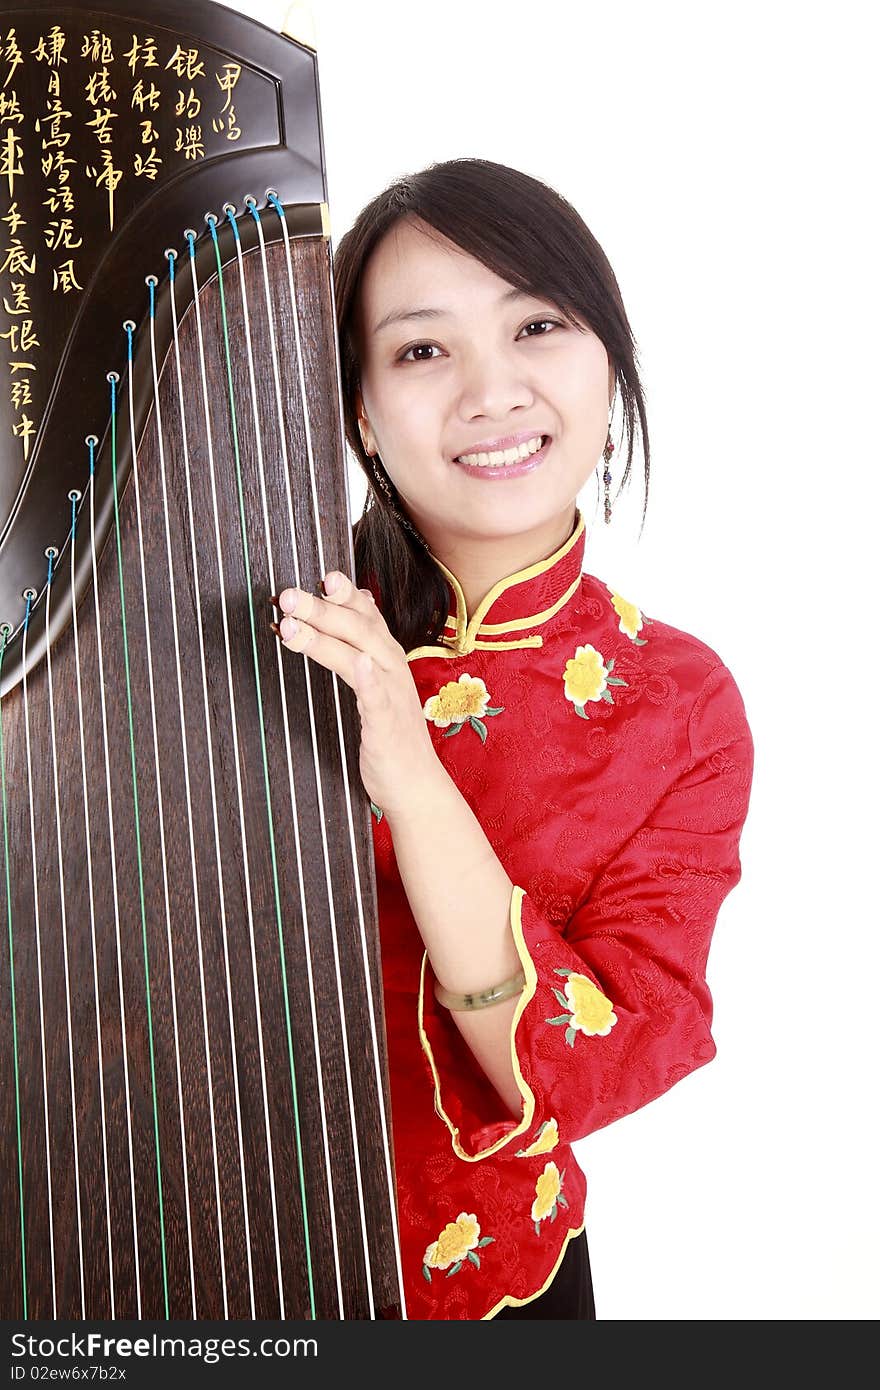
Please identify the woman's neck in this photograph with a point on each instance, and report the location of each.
(478, 564)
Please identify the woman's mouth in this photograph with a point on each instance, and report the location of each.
(507, 463)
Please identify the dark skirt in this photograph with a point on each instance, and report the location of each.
(571, 1293)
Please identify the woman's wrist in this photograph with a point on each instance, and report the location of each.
(458, 891)
(426, 791)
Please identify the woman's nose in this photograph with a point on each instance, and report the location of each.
(493, 386)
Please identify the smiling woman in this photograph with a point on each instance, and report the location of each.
(462, 330)
(558, 781)
(499, 357)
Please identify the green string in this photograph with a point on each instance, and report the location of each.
(12, 993)
(241, 515)
(137, 825)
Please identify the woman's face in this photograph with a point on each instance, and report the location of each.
(455, 361)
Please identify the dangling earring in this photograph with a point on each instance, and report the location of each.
(606, 476)
(382, 479)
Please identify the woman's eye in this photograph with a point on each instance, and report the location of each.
(423, 352)
(540, 323)
(418, 347)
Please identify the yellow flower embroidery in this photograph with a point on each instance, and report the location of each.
(587, 677)
(587, 1010)
(465, 701)
(548, 1193)
(591, 1012)
(631, 618)
(547, 1189)
(547, 1139)
(459, 1240)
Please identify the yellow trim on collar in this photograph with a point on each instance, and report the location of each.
(516, 624)
(430, 651)
(528, 994)
(487, 646)
(466, 631)
(508, 1301)
(507, 646)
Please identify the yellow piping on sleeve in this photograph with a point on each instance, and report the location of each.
(528, 994)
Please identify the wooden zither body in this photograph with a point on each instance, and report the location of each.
(194, 1116)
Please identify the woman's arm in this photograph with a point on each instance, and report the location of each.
(459, 895)
(458, 891)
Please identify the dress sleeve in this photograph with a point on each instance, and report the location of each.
(616, 1008)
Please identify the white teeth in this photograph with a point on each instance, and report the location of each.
(501, 457)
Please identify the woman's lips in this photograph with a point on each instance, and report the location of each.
(495, 472)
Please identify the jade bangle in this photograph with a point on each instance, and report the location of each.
(483, 999)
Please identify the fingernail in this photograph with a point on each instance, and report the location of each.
(331, 583)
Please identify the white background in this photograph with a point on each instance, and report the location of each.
(721, 156)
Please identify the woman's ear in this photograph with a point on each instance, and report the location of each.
(363, 423)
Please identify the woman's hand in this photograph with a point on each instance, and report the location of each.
(346, 633)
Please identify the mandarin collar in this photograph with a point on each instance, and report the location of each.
(515, 607)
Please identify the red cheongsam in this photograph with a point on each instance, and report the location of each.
(608, 759)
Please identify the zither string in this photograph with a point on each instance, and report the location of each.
(129, 329)
(295, 816)
(112, 378)
(30, 595)
(282, 435)
(52, 554)
(315, 756)
(341, 737)
(238, 784)
(276, 889)
(4, 638)
(172, 256)
(92, 442)
(172, 585)
(75, 497)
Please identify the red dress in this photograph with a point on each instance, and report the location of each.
(608, 758)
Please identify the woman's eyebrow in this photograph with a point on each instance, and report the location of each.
(402, 315)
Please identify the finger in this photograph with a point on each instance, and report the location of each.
(353, 665)
(339, 590)
(349, 615)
